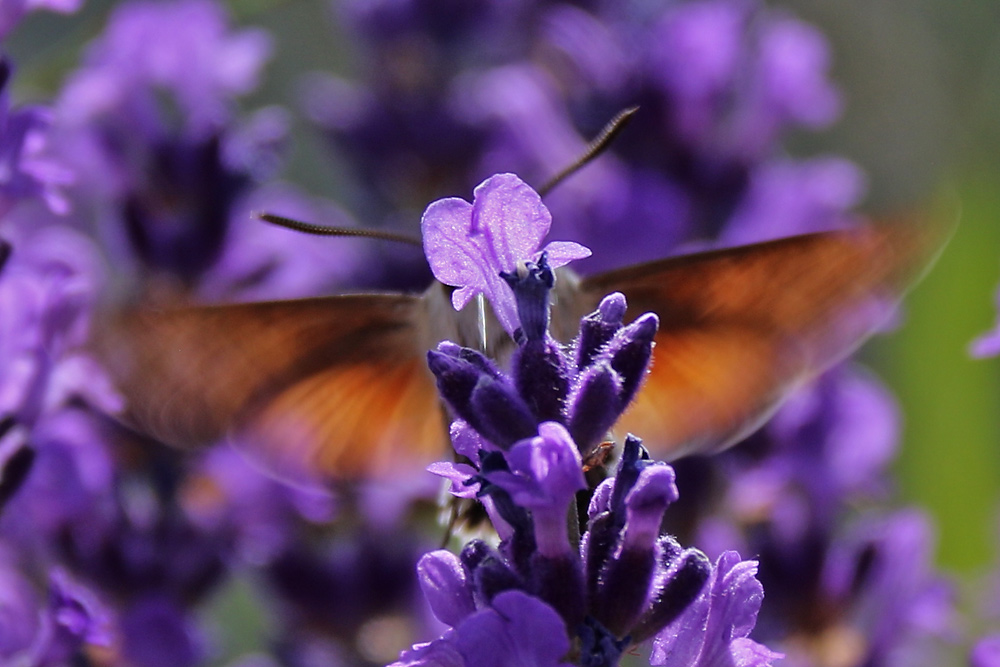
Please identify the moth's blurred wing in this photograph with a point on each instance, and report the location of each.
(740, 328)
(332, 388)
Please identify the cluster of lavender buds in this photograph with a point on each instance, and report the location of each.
(566, 585)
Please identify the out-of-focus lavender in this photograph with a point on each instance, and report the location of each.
(142, 174)
(139, 179)
(521, 87)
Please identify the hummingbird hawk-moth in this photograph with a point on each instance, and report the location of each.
(338, 387)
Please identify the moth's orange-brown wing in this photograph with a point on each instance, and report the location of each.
(332, 388)
(740, 328)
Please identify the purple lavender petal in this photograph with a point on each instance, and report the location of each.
(446, 587)
(646, 502)
(545, 470)
(466, 441)
(458, 474)
(545, 476)
(518, 629)
(561, 253)
(468, 246)
(987, 345)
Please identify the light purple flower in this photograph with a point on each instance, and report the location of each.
(469, 245)
(713, 631)
(545, 474)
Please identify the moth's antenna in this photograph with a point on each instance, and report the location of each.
(594, 148)
(324, 230)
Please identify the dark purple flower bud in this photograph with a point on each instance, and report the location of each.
(475, 553)
(631, 351)
(541, 377)
(678, 590)
(500, 414)
(625, 583)
(594, 406)
(456, 378)
(670, 550)
(480, 395)
(634, 460)
(493, 577)
(531, 284)
(599, 543)
(5, 250)
(598, 328)
(446, 586)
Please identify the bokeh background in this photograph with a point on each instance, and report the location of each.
(921, 86)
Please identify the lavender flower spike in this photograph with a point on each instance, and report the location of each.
(469, 245)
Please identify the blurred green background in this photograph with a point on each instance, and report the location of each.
(921, 84)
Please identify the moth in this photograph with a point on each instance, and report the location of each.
(338, 387)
